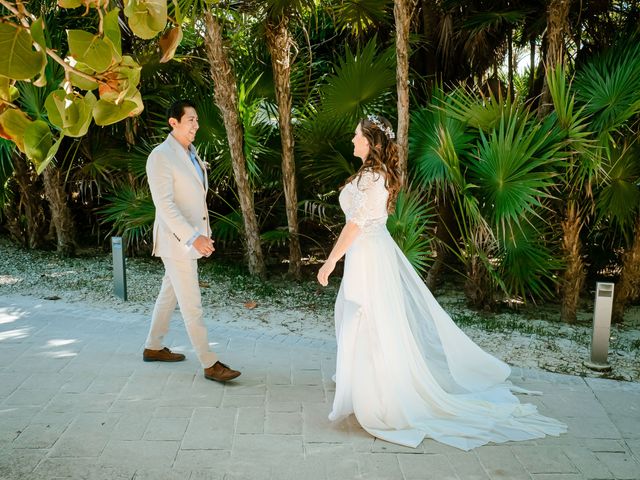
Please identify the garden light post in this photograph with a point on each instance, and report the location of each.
(119, 273)
(601, 327)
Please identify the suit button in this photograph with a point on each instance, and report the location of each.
(204, 218)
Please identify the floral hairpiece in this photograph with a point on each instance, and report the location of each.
(386, 130)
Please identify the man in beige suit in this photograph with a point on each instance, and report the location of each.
(181, 234)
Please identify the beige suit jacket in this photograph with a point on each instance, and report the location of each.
(180, 200)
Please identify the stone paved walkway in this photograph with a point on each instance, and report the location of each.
(76, 401)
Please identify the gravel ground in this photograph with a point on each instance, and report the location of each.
(530, 338)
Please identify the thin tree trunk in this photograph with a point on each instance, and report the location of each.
(279, 43)
(402, 14)
(574, 274)
(557, 28)
(226, 98)
(446, 232)
(532, 65)
(32, 231)
(628, 287)
(60, 214)
(510, 61)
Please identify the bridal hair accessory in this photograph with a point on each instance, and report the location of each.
(386, 130)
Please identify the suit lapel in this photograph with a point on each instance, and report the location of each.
(185, 158)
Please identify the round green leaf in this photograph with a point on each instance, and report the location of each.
(146, 17)
(37, 32)
(70, 113)
(90, 49)
(13, 123)
(81, 82)
(106, 112)
(19, 60)
(69, 3)
(50, 154)
(112, 30)
(8, 92)
(37, 141)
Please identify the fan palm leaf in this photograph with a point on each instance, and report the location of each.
(514, 169)
(131, 213)
(432, 136)
(609, 87)
(408, 226)
(361, 84)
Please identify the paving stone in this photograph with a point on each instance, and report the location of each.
(270, 449)
(318, 428)
(163, 474)
(622, 465)
(131, 426)
(587, 463)
(16, 463)
(203, 459)
(427, 467)
(467, 466)
(499, 462)
(543, 459)
(166, 429)
(139, 454)
(250, 420)
(243, 400)
(283, 423)
(210, 428)
(39, 436)
(379, 466)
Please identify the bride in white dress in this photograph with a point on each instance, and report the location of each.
(403, 367)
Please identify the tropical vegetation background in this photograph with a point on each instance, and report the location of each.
(517, 124)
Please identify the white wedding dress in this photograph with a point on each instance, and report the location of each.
(403, 367)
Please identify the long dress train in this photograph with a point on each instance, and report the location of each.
(403, 367)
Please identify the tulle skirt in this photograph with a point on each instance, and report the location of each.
(407, 371)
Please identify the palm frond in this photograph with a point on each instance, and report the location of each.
(408, 226)
(360, 85)
(360, 16)
(436, 142)
(609, 87)
(131, 213)
(528, 265)
(513, 172)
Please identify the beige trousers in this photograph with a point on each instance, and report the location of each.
(180, 286)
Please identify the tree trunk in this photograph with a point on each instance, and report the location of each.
(61, 218)
(557, 28)
(510, 61)
(532, 66)
(27, 226)
(628, 287)
(279, 43)
(402, 14)
(225, 92)
(574, 274)
(446, 233)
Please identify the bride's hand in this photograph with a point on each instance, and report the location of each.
(325, 271)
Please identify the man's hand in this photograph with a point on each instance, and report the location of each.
(325, 271)
(204, 245)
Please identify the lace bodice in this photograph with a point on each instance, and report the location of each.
(364, 201)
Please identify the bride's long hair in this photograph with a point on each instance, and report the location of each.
(383, 155)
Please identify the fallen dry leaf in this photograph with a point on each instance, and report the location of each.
(250, 305)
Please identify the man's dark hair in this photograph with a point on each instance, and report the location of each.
(176, 110)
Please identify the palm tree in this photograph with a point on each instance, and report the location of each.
(279, 41)
(225, 91)
(557, 30)
(609, 87)
(402, 14)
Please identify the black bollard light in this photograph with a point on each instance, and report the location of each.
(119, 273)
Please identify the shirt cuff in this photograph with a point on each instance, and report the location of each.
(193, 239)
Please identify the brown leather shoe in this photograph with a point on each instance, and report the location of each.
(220, 372)
(164, 355)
